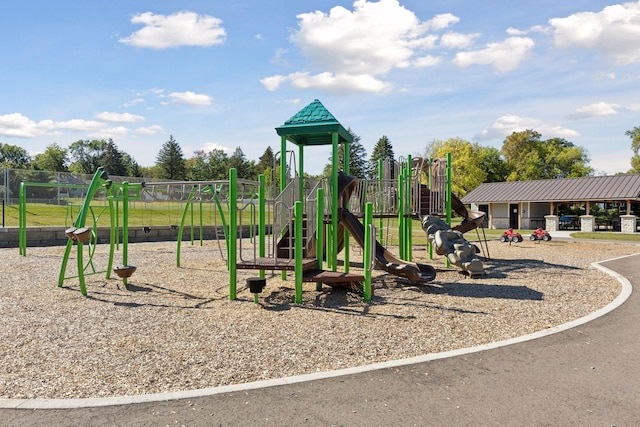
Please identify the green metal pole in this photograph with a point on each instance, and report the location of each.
(410, 204)
(113, 228)
(201, 227)
(347, 161)
(22, 219)
(333, 251)
(368, 249)
(401, 212)
(430, 200)
(233, 232)
(262, 220)
(183, 218)
(283, 162)
(448, 188)
(380, 197)
(301, 172)
(298, 211)
(319, 230)
(125, 226)
(447, 263)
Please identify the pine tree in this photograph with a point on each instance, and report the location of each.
(265, 162)
(112, 160)
(170, 161)
(239, 161)
(358, 165)
(383, 150)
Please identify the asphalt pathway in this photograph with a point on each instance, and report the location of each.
(585, 376)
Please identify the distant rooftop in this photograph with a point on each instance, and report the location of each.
(592, 188)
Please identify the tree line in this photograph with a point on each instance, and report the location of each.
(524, 155)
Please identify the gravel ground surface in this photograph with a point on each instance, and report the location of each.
(173, 329)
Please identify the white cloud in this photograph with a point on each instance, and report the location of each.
(17, 125)
(273, 82)
(278, 57)
(503, 56)
(633, 107)
(149, 130)
(614, 31)
(442, 21)
(426, 61)
(457, 40)
(20, 126)
(110, 117)
(509, 123)
(133, 102)
(597, 109)
(351, 50)
(210, 146)
(179, 29)
(328, 81)
(535, 29)
(113, 133)
(78, 125)
(191, 98)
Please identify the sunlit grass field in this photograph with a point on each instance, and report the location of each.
(164, 214)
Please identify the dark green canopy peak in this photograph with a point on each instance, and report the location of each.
(313, 125)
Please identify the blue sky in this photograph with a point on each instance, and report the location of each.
(219, 74)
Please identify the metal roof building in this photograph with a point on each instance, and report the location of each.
(536, 202)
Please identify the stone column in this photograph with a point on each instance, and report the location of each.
(551, 222)
(628, 223)
(587, 223)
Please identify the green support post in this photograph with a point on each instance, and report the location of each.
(298, 214)
(319, 230)
(22, 220)
(262, 220)
(409, 201)
(333, 252)
(401, 212)
(430, 183)
(125, 226)
(448, 176)
(369, 241)
(380, 195)
(347, 160)
(232, 242)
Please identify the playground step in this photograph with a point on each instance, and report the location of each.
(280, 264)
(335, 279)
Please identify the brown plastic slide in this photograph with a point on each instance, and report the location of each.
(470, 219)
(417, 273)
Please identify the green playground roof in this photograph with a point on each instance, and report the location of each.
(313, 125)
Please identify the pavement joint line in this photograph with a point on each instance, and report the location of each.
(211, 391)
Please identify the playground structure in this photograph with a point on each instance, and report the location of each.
(304, 227)
(81, 234)
(119, 195)
(312, 224)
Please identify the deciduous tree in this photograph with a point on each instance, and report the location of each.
(634, 134)
(55, 158)
(12, 156)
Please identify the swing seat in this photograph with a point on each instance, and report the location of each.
(83, 234)
(69, 233)
(124, 271)
(146, 229)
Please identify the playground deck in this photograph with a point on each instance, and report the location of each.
(280, 264)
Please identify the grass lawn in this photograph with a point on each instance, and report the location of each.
(164, 214)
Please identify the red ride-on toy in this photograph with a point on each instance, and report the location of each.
(540, 234)
(511, 236)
